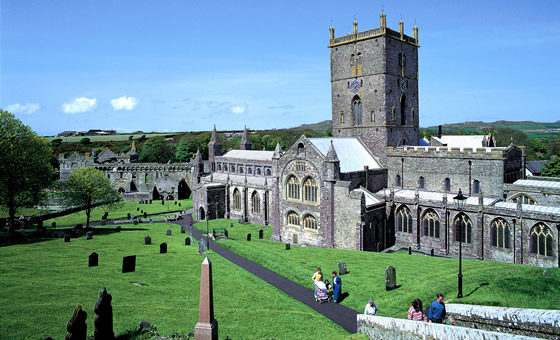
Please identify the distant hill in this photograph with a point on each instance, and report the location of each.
(324, 125)
(532, 129)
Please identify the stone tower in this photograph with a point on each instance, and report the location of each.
(245, 143)
(214, 148)
(374, 84)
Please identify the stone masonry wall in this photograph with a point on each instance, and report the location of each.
(348, 222)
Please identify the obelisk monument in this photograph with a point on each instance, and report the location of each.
(207, 326)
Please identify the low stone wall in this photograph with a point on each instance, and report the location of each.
(539, 323)
(378, 327)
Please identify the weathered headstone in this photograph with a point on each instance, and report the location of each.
(390, 278)
(183, 230)
(76, 328)
(342, 268)
(287, 246)
(248, 237)
(66, 237)
(53, 224)
(207, 326)
(145, 214)
(150, 201)
(103, 321)
(169, 232)
(261, 234)
(432, 252)
(179, 203)
(129, 263)
(409, 250)
(147, 240)
(162, 202)
(141, 211)
(188, 241)
(201, 246)
(163, 248)
(175, 202)
(89, 235)
(93, 260)
(546, 273)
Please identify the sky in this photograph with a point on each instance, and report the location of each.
(187, 65)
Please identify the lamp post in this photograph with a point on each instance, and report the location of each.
(460, 201)
(207, 236)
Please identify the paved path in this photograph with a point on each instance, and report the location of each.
(341, 315)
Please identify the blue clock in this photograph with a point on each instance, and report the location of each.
(354, 86)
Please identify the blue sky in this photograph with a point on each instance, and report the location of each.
(186, 65)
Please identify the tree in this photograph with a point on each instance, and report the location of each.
(25, 168)
(156, 150)
(552, 168)
(87, 187)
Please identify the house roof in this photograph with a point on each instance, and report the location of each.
(352, 154)
(535, 166)
(250, 155)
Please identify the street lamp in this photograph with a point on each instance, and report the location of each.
(207, 237)
(460, 201)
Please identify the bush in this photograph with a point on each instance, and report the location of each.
(85, 141)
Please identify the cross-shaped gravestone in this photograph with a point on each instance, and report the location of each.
(390, 278)
(93, 260)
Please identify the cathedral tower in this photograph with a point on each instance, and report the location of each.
(374, 86)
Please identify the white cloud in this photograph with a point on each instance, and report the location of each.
(237, 109)
(22, 108)
(124, 103)
(78, 105)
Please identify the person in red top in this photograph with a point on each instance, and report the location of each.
(415, 311)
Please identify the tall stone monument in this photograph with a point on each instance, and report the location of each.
(207, 326)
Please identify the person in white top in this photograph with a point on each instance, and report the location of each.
(371, 308)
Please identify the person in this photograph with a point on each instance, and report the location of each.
(371, 308)
(436, 313)
(415, 311)
(318, 276)
(337, 283)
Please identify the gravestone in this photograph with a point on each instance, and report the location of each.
(150, 201)
(118, 228)
(147, 240)
(231, 225)
(76, 327)
(141, 211)
(66, 237)
(103, 320)
(261, 234)
(248, 237)
(432, 252)
(93, 260)
(175, 202)
(179, 203)
(89, 235)
(162, 202)
(138, 209)
(53, 224)
(129, 263)
(546, 273)
(409, 250)
(163, 248)
(390, 278)
(201, 246)
(287, 246)
(168, 232)
(188, 241)
(342, 268)
(145, 214)
(128, 216)
(183, 230)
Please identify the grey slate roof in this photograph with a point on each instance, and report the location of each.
(535, 166)
(352, 154)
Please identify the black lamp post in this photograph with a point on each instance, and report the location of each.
(207, 236)
(460, 201)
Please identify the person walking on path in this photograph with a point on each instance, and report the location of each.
(371, 308)
(436, 312)
(415, 311)
(337, 283)
(318, 276)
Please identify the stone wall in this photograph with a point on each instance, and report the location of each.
(347, 216)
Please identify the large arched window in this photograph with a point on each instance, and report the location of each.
(430, 221)
(524, 199)
(310, 190)
(463, 228)
(293, 218)
(292, 188)
(500, 233)
(310, 222)
(404, 220)
(541, 240)
(403, 112)
(236, 200)
(357, 110)
(256, 200)
(447, 185)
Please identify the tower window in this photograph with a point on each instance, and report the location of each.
(447, 184)
(403, 111)
(372, 117)
(341, 118)
(357, 109)
(476, 186)
(398, 180)
(421, 183)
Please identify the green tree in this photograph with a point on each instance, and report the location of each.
(25, 168)
(156, 150)
(85, 141)
(552, 168)
(87, 187)
(185, 150)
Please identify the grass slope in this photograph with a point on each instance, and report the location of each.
(484, 282)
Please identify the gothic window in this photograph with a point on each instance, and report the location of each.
(447, 185)
(293, 218)
(500, 233)
(430, 221)
(403, 109)
(259, 171)
(463, 228)
(310, 222)
(404, 220)
(292, 188)
(524, 199)
(256, 200)
(357, 110)
(236, 200)
(372, 117)
(232, 168)
(476, 186)
(225, 167)
(300, 166)
(310, 190)
(341, 118)
(398, 180)
(541, 240)
(268, 172)
(219, 167)
(301, 149)
(250, 171)
(421, 183)
(240, 169)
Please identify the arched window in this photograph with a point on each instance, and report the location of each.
(430, 221)
(524, 199)
(219, 167)
(447, 185)
(357, 110)
(225, 168)
(250, 171)
(301, 149)
(240, 169)
(404, 220)
(398, 180)
(256, 200)
(342, 118)
(310, 222)
(293, 218)
(421, 183)
(236, 200)
(292, 188)
(268, 172)
(403, 109)
(232, 168)
(309, 190)
(500, 233)
(259, 171)
(476, 186)
(372, 116)
(541, 240)
(463, 228)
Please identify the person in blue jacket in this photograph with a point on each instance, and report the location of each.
(436, 314)
(337, 283)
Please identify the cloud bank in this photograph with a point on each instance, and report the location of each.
(124, 103)
(27, 108)
(79, 105)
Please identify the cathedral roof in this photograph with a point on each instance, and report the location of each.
(538, 183)
(461, 141)
(370, 199)
(352, 154)
(250, 154)
(437, 196)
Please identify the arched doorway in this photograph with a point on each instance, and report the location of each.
(183, 191)
(155, 194)
(133, 186)
(201, 214)
(121, 191)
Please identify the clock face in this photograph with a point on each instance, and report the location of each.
(354, 86)
(403, 86)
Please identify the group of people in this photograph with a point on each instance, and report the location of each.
(435, 313)
(336, 283)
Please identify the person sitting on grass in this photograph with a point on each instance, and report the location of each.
(371, 308)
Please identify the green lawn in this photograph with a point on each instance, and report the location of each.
(484, 282)
(42, 282)
(121, 211)
(22, 211)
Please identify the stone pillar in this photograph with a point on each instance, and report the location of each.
(207, 326)
(103, 321)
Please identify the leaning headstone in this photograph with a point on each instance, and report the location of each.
(390, 278)
(188, 241)
(287, 246)
(103, 321)
(147, 240)
(248, 237)
(261, 234)
(207, 326)
(66, 237)
(129, 263)
(168, 232)
(201, 246)
(342, 268)
(163, 248)
(89, 235)
(93, 260)
(76, 328)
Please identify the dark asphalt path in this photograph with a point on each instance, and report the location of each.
(341, 315)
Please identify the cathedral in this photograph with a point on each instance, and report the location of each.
(375, 185)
